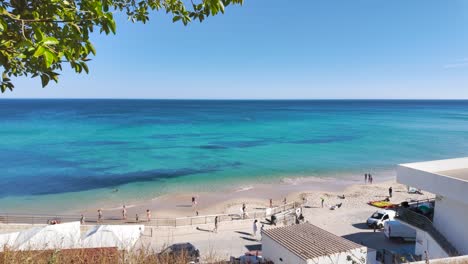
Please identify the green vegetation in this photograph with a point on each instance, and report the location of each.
(38, 36)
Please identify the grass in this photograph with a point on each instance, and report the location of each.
(95, 256)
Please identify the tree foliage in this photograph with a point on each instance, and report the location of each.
(38, 36)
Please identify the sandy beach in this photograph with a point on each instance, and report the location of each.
(233, 239)
(257, 196)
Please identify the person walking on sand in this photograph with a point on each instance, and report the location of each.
(322, 200)
(284, 200)
(370, 179)
(137, 218)
(390, 191)
(148, 215)
(124, 213)
(243, 210)
(255, 228)
(216, 225)
(194, 202)
(365, 178)
(99, 216)
(271, 203)
(82, 219)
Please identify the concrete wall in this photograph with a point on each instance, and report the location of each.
(274, 252)
(277, 253)
(454, 260)
(451, 219)
(359, 255)
(424, 242)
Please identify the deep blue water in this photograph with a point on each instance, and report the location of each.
(80, 150)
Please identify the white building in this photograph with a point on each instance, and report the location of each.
(448, 179)
(307, 244)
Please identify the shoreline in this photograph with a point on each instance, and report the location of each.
(255, 196)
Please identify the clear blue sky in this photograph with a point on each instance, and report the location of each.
(280, 50)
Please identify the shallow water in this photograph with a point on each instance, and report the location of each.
(58, 154)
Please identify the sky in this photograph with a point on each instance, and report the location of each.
(271, 49)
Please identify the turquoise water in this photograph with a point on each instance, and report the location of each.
(61, 154)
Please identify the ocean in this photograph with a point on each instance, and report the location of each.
(62, 154)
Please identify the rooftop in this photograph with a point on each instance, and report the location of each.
(445, 178)
(461, 174)
(453, 168)
(308, 241)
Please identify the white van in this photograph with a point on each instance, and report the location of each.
(397, 230)
(378, 218)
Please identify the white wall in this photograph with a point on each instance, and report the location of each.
(424, 242)
(451, 219)
(358, 254)
(274, 252)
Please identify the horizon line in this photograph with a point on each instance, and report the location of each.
(242, 99)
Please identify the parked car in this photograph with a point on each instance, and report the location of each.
(186, 250)
(397, 230)
(378, 218)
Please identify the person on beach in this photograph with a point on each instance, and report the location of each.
(370, 179)
(322, 200)
(194, 201)
(255, 228)
(365, 178)
(148, 215)
(137, 218)
(215, 225)
(99, 216)
(271, 203)
(82, 219)
(284, 200)
(243, 210)
(390, 191)
(124, 213)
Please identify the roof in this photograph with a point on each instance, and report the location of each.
(308, 241)
(454, 168)
(445, 178)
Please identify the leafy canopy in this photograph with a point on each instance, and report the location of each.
(38, 36)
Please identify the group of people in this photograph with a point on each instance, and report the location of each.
(124, 216)
(368, 178)
(137, 217)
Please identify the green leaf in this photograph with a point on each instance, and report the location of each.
(39, 51)
(49, 57)
(176, 18)
(50, 41)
